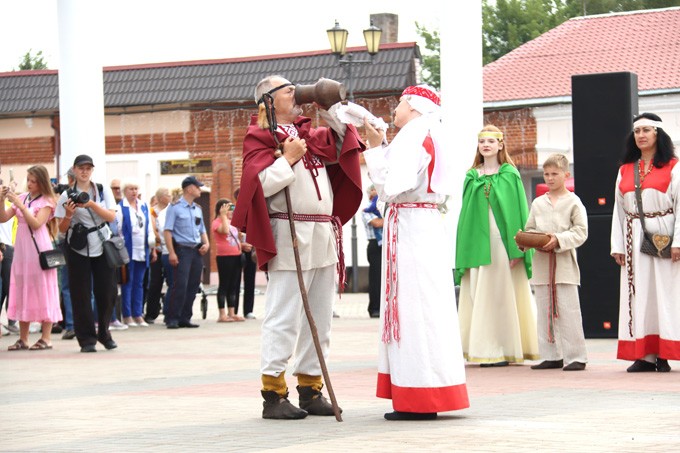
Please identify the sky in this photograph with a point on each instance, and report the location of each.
(154, 31)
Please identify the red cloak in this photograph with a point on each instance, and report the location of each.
(251, 215)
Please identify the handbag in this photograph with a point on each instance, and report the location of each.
(114, 248)
(657, 245)
(530, 240)
(49, 259)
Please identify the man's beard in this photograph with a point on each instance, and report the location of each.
(296, 110)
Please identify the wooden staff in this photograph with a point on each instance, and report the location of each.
(267, 119)
(308, 311)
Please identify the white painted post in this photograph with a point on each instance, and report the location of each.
(81, 85)
(462, 93)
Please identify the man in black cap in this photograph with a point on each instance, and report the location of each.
(187, 242)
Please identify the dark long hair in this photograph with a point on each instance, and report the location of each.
(221, 202)
(665, 150)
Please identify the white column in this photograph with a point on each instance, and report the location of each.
(462, 93)
(81, 85)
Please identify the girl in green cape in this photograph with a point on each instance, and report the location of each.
(496, 311)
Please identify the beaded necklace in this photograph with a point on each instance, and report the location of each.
(487, 188)
(642, 172)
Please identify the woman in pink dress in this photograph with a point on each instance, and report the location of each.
(34, 293)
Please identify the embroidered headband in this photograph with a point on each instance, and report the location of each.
(424, 92)
(647, 122)
(491, 134)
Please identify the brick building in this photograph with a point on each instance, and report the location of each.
(527, 92)
(164, 121)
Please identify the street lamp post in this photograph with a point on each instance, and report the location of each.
(338, 39)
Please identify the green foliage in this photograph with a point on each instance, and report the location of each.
(29, 61)
(508, 24)
(430, 70)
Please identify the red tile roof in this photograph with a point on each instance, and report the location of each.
(644, 42)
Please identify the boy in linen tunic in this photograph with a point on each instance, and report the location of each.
(560, 214)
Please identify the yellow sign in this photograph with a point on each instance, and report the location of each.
(183, 166)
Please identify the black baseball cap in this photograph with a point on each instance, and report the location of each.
(82, 160)
(189, 180)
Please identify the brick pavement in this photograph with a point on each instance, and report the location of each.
(198, 390)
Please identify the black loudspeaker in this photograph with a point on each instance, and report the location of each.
(599, 290)
(603, 107)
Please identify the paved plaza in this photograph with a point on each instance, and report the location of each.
(197, 390)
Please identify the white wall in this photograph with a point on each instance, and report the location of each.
(145, 170)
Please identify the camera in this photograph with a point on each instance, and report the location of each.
(78, 197)
(59, 188)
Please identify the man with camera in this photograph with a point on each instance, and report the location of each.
(187, 242)
(320, 169)
(84, 211)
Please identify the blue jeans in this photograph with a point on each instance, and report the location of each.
(132, 293)
(186, 278)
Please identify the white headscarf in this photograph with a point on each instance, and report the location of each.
(425, 100)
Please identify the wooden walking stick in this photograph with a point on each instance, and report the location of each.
(268, 107)
(308, 311)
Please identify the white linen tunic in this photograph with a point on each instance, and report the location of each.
(649, 319)
(424, 370)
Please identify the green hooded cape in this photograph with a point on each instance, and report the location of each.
(509, 205)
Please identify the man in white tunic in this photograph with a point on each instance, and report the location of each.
(320, 168)
(420, 359)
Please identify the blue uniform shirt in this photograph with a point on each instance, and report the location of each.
(185, 222)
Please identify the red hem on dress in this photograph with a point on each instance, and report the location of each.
(651, 344)
(422, 399)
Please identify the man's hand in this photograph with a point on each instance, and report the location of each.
(172, 257)
(204, 248)
(293, 149)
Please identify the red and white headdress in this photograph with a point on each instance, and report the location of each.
(423, 98)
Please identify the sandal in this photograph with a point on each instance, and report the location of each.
(19, 345)
(237, 318)
(227, 319)
(40, 345)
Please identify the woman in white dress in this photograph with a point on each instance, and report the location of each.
(649, 314)
(420, 363)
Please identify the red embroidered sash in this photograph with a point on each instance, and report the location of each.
(337, 231)
(391, 315)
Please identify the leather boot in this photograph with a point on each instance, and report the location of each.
(279, 408)
(548, 364)
(314, 402)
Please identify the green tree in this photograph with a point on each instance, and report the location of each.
(30, 61)
(508, 24)
(430, 67)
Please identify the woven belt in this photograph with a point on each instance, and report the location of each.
(391, 318)
(629, 257)
(337, 231)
